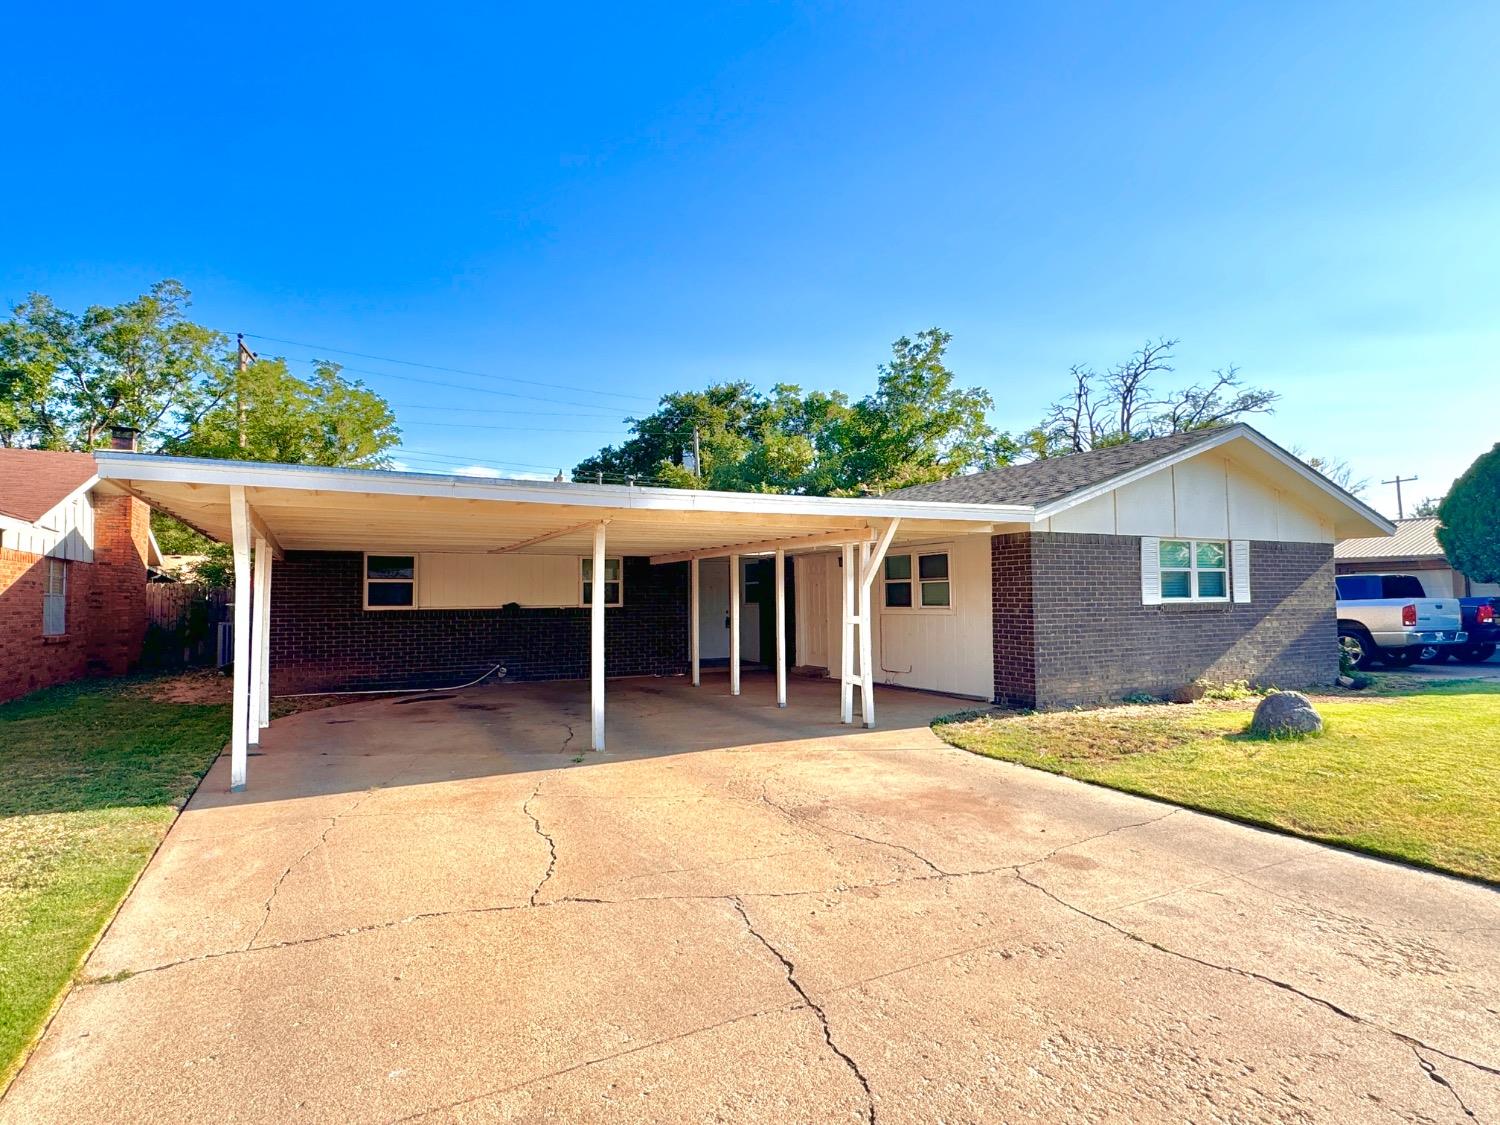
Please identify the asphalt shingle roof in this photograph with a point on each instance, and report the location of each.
(34, 481)
(1414, 538)
(1052, 478)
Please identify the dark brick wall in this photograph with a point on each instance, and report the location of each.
(322, 637)
(1091, 640)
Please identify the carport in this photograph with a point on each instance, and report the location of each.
(266, 511)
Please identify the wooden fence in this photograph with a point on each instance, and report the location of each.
(182, 623)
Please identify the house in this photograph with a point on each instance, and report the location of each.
(1414, 549)
(1077, 580)
(73, 557)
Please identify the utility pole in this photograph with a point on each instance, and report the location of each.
(1398, 482)
(242, 362)
(697, 456)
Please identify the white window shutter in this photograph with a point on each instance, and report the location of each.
(1150, 570)
(1239, 568)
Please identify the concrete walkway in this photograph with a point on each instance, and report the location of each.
(425, 910)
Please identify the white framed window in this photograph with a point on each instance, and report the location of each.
(390, 581)
(1194, 570)
(614, 581)
(918, 581)
(55, 599)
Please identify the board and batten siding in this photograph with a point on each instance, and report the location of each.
(1206, 497)
(935, 651)
(64, 532)
(448, 580)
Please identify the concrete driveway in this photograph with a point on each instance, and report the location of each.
(425, 910)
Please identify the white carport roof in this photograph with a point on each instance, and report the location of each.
(302, 507)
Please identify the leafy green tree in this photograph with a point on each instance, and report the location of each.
(1427, 507)
(266, 413)
(1469, 531)
(66, 378)
(917, 426)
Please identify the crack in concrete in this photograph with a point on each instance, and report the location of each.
(802, 821)
(813, 1006)
(333, 822)
(551, 843)
(1250, 974)
(1432, 1073)
(1099, 836)
(567, 740)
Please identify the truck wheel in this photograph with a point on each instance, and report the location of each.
(1474, 654)
(1402, 657)
(1358, 647)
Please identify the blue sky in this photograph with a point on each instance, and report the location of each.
(624, 203)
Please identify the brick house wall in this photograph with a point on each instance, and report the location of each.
(322, 637)
(1083, 636)
(106, 609)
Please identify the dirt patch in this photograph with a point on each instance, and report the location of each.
(198, 685)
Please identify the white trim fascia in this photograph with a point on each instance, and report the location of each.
(247, 474)
(153, 548)
(1239, 430)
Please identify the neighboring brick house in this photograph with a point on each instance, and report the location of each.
(74, 553)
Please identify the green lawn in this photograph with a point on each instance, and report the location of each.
(1410, 774)
(91, 777)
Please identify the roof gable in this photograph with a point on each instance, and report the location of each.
(1055, 484)
(1054, 478)
(34, 481)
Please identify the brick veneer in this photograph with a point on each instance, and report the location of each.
(1070, 628)
(322, 637)
(106, 612)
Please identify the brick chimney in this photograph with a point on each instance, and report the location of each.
(123, 438)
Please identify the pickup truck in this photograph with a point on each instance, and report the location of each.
(1482, 623)
(1388, 618)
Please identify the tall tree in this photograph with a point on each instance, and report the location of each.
(1469, 531)
(325, 420)
(66, 378)
(917, 426)
(1122, 404)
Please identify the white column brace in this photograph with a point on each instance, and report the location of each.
(239, 526)
(734, 624)
(866, 661)
(846, 648)
(596, 642)
(781, 628)
(693, 641)
(263, 630)
(261, 567)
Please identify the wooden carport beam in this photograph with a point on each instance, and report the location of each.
(769, 546)
(258, 526)
(546, 535)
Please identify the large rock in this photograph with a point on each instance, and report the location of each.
(1286, 712)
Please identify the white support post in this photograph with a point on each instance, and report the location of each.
(693, 643)
(866, 662)
(261, 568)
(734, 624)
(846, 649)
(239, 526)
(596, 642)
(781, 628)
(872, 559)
(263, 602)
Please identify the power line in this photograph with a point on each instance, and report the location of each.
(450, 370)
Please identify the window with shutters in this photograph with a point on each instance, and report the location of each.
(1194, 570)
